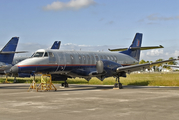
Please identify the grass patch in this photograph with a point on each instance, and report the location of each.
(143, 79)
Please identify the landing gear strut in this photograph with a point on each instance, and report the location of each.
(118, 85)
(65, 84)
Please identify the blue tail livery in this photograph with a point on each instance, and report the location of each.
(7, 53)
(135, 53)
(56, 45)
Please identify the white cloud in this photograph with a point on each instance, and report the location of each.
(155, 52)
(72, 4)
(176, 54)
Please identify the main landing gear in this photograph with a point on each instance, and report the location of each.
(118, 85)
(65, 84)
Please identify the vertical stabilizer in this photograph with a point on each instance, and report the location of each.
(7, 53)
(56, 45)
(135, 53)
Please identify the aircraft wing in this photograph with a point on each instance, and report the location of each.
(132, 68)
(134, 48)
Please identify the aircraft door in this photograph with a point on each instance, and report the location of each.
(53, 59)
(61, 61)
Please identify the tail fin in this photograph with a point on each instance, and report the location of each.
(135, 53)
(56, 45)
(7, 53)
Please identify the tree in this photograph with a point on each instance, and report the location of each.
(158, 66)
(170, 63)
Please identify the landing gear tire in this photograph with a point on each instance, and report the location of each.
(66, 84)
(120, 86)
(115, 85)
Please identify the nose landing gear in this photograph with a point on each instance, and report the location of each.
(65, 84)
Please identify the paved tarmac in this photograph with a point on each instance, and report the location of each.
(89, 102)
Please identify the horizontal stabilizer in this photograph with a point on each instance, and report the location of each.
(120, 49)
(10, 52)
(135, 48)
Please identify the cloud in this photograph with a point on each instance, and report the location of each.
(71, 5)
(155, 52)
(110, 22)
(154, 17)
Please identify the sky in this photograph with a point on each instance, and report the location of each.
(91, 25)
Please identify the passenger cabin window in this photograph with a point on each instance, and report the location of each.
(101, 57)
(97, 58)
(46, 54)
(71, 57)
(38, 54)
(51, 54)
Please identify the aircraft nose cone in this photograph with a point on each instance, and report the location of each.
(14, 69)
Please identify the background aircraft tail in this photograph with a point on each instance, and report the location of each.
(135, 53)
(56, 45)
(7, 53)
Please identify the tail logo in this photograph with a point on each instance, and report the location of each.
(138, 43)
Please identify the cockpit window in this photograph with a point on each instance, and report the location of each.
(46, 54)
(38, 54)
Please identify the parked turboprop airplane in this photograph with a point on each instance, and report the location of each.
(70, 64)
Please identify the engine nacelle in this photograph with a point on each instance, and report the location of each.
(106, 66)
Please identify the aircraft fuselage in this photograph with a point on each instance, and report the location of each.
(70, 63)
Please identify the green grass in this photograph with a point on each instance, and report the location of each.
(143, 79)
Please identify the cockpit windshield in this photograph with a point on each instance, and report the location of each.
(38, 54)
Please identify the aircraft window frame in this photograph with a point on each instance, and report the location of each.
(33, 54)
(71, 56)
(88, 57)
(112, 58)
(51, 54)
(97, 58)
(84, 58)
(92, 57)
(108, 58)
(79, 57)
(38, 54)
(115, 58)
(105, 57)
(101, 57)
(46, 54)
